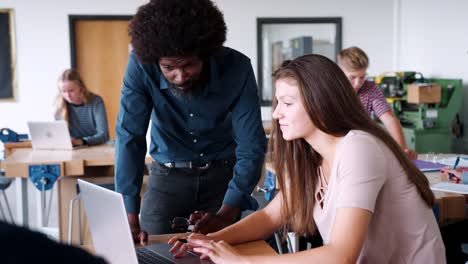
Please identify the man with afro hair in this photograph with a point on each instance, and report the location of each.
(200, 99)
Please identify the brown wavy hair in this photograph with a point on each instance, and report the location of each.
(335, 109)
(61, 109)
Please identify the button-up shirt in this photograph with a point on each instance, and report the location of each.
(373, 99)
(223, 121)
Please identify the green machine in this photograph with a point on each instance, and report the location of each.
(428, 127)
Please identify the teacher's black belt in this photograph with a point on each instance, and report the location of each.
(188, 165)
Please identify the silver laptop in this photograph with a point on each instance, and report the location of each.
(53, 135)
(110, 231)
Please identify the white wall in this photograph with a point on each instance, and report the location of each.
(362, 20)
(241, 20)
(43, 52)
(434, 38)
(43, 47)
(434, 41)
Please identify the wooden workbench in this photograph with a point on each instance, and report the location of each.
(95, 164)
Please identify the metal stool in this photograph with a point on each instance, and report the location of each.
(269, 192)
(4, 184)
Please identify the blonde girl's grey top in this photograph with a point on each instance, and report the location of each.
(89, 121)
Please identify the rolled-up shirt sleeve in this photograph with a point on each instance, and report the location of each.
(251, 146)
(131, 128)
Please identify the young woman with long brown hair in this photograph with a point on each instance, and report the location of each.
(339, 173)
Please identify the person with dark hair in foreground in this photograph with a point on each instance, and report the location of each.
(339, 173)
(201, 101)
(22, 246)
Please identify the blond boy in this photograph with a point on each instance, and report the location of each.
(354, 63)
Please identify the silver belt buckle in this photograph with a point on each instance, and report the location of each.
(205, 166)
(169, 164)
(191, 166)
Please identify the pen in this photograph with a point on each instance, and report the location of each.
(451, 175)
(456, 163)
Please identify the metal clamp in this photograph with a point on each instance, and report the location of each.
(43, 176)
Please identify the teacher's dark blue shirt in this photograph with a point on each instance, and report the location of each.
(221, 122)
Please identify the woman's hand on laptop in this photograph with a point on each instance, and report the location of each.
(217, 251)
(181, 242)
(138, 235)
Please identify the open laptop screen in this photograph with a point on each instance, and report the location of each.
(110, 231)
(53, 135)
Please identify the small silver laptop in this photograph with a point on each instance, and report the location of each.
(110, 231)
(51, 135)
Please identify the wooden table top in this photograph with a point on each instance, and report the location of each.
(73, 161)
(257, 248)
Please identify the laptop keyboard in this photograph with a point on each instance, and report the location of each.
(146, 256)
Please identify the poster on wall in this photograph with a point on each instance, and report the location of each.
(7, 56)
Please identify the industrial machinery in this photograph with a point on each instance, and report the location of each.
(427, 109)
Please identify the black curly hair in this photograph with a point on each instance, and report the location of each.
(177, 28)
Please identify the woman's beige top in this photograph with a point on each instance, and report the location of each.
(365, 174)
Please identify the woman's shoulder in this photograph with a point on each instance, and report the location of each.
(360, 150)
(360, 137)
(361, 142)
(95, 99)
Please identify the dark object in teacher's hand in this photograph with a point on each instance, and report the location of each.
(180, 224)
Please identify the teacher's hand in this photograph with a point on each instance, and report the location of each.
(208, 223)
(77, 142)
(138, 235)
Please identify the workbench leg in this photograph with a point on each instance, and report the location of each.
(43, 214)
(39, 211)
(22, 213)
